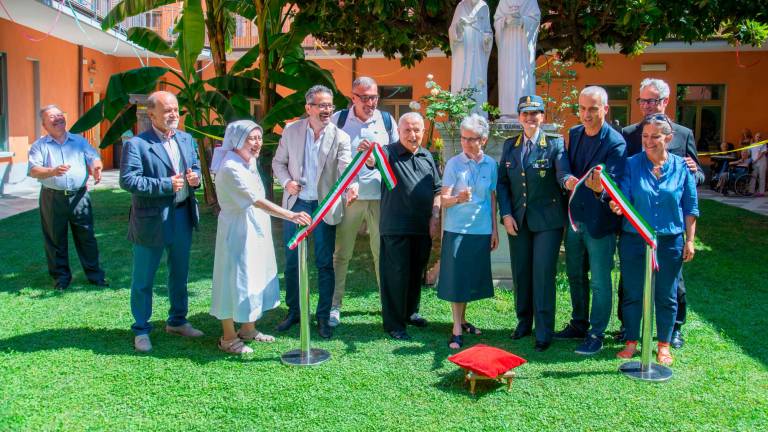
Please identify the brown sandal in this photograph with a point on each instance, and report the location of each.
(257, 336)
(234, 346)
(663, 355)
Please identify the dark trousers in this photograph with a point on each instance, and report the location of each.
(145, 263)
(402, 259)
(534, 267)
(682, 305)
(324, 237)
(632, 251)
(59, 210)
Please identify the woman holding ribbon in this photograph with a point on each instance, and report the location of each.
(245, 283)
(534, 171)
(663, 192)
(469, 196)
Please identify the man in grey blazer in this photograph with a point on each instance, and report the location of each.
(311, 156)
(160, 169)
(653, 100)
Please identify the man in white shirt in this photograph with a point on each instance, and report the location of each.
(309, 160)
(362, 122)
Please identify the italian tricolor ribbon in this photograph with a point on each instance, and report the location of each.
(627, 209)
(349, 174)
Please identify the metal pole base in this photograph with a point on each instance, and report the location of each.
(312, 357)
(654, 372)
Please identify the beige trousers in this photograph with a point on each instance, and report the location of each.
(346, 235)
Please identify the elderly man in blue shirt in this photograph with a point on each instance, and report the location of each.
(662, 189)
(62, 162)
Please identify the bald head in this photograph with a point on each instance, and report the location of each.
(410, 128)
(163, 110)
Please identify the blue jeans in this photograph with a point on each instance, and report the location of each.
(145, 263)
(324, 236)
(600, 254)
(670, 257)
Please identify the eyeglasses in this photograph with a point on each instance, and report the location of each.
(324, 106)
(641, 101)
(471, 140)
(367, 98)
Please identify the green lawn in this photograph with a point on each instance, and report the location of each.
(67, 360)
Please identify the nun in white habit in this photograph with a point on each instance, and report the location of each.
(245, 283)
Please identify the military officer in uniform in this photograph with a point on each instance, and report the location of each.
(533, 173)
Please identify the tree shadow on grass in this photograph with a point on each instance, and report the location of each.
(725, 283)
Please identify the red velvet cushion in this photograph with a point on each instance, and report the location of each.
(486, 360)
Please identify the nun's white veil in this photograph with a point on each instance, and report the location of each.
(234, 138)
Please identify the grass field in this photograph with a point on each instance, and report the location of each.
(67, 360)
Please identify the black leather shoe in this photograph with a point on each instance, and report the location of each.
(520, 333)
(287, 323)
(400, 335)
(99, 283)
(61, 285)
(418, 322)
(541, 346)
(324, 329)
(677, 340)
(569, 332)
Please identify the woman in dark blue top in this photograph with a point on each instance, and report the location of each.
(663, 190)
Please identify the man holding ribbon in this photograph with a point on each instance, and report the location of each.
(362, 122)
(593, 226)
(310, 158)
(653, 100)
(410, 216)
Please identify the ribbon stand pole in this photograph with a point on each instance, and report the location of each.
(644, 370)
(304, 356)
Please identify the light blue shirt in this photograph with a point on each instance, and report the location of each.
(473, 217)
(171, 147)
(373, 129)
(76, 152)
(662, 202)
(311, 150)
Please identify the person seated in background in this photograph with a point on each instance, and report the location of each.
(720, 164)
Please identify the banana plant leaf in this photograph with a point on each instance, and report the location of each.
(236, 85)
(129, 8)
(91, 118)
(220, 104)
(124, 122)
(191, 30)
(150, 40)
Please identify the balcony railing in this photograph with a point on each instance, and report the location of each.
(162, 21)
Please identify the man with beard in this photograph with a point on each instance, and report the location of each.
(160, 168)
(62, 161)
(311, 156)
(653, 101)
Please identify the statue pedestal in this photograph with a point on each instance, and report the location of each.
(501, 265)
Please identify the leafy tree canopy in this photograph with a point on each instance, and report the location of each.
(573, 28)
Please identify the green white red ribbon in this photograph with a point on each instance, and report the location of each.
(349, 174)
(627, 209)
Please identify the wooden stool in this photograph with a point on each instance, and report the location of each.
(473, 377)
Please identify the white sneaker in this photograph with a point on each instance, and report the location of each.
(335, 317)
(141, 343)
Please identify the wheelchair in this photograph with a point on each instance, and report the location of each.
(739, 180)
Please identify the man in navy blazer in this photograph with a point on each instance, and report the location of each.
(653, 100)
(161, 170)
(591, 143)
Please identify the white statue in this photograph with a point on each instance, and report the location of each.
(471, 39)
(517, 29)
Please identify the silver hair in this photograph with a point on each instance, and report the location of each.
(47, 108)
(363, 82)
(477, 124)
(660, 85)
(309, 96)
(410, 115)
(595, 90)
(664, 125)
(152, 99)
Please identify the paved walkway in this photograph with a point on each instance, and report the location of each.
(25, 199)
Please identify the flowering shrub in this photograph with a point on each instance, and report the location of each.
(446, 108)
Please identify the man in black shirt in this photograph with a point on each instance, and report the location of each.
(410, 216)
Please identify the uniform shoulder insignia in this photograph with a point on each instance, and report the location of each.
(552, 135)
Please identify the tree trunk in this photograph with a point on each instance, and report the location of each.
(261, 28)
